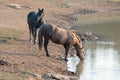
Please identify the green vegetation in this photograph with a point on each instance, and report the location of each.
(9, 33)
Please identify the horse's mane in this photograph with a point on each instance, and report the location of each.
(76, 35)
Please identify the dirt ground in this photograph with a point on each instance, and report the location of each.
(19, 59)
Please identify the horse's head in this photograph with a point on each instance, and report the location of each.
(81, 55)
(40, 14)
(80, 51)
(78, 46)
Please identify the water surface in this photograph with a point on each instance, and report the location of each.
(102, 57)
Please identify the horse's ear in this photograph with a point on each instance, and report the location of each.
(38, 9)
(42, 9)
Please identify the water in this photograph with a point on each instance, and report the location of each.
(102, 58)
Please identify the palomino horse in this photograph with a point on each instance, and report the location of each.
(60, 36)
(34, 21)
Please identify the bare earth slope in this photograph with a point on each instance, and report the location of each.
(19, 59)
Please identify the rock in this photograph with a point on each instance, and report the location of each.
(49, 76)
(87, 37)
(15, 6)
(84, 11)
(2, 62)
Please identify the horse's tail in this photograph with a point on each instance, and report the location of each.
(40, 39)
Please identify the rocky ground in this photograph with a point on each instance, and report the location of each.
(19, 59)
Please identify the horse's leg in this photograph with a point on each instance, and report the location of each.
(67, 47)
(33, 34)
(35, 30)
(30, 34)
(45, 46)
(32, 30)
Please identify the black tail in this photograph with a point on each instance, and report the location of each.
(40, 39)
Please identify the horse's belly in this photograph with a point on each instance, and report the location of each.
(56, 41)
(59, 38)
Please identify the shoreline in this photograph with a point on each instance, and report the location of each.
(19, 59)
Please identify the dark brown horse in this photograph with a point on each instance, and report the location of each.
(60, 36)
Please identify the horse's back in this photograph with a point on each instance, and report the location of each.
(31, 19)
(57, 34)
(47, 27)
(60, 34)
(31, 14)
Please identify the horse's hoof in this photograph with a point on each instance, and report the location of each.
(30, 41)
(66, 59)
(47, 55)
(82, 59)
(33, 44)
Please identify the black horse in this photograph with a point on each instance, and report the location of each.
(35, 20)
(60, 36)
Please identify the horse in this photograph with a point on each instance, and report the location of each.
(34, 21)
(60, 36)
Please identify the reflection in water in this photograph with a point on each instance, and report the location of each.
(72, 62)
(79, 68)
(101, 63)
(75, 65)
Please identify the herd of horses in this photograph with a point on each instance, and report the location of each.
(52, 32)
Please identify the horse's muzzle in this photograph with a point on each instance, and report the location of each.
(82, 58)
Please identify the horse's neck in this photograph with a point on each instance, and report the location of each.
(77, 37)
(41, 21)
(81, 46)
(80, 42)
